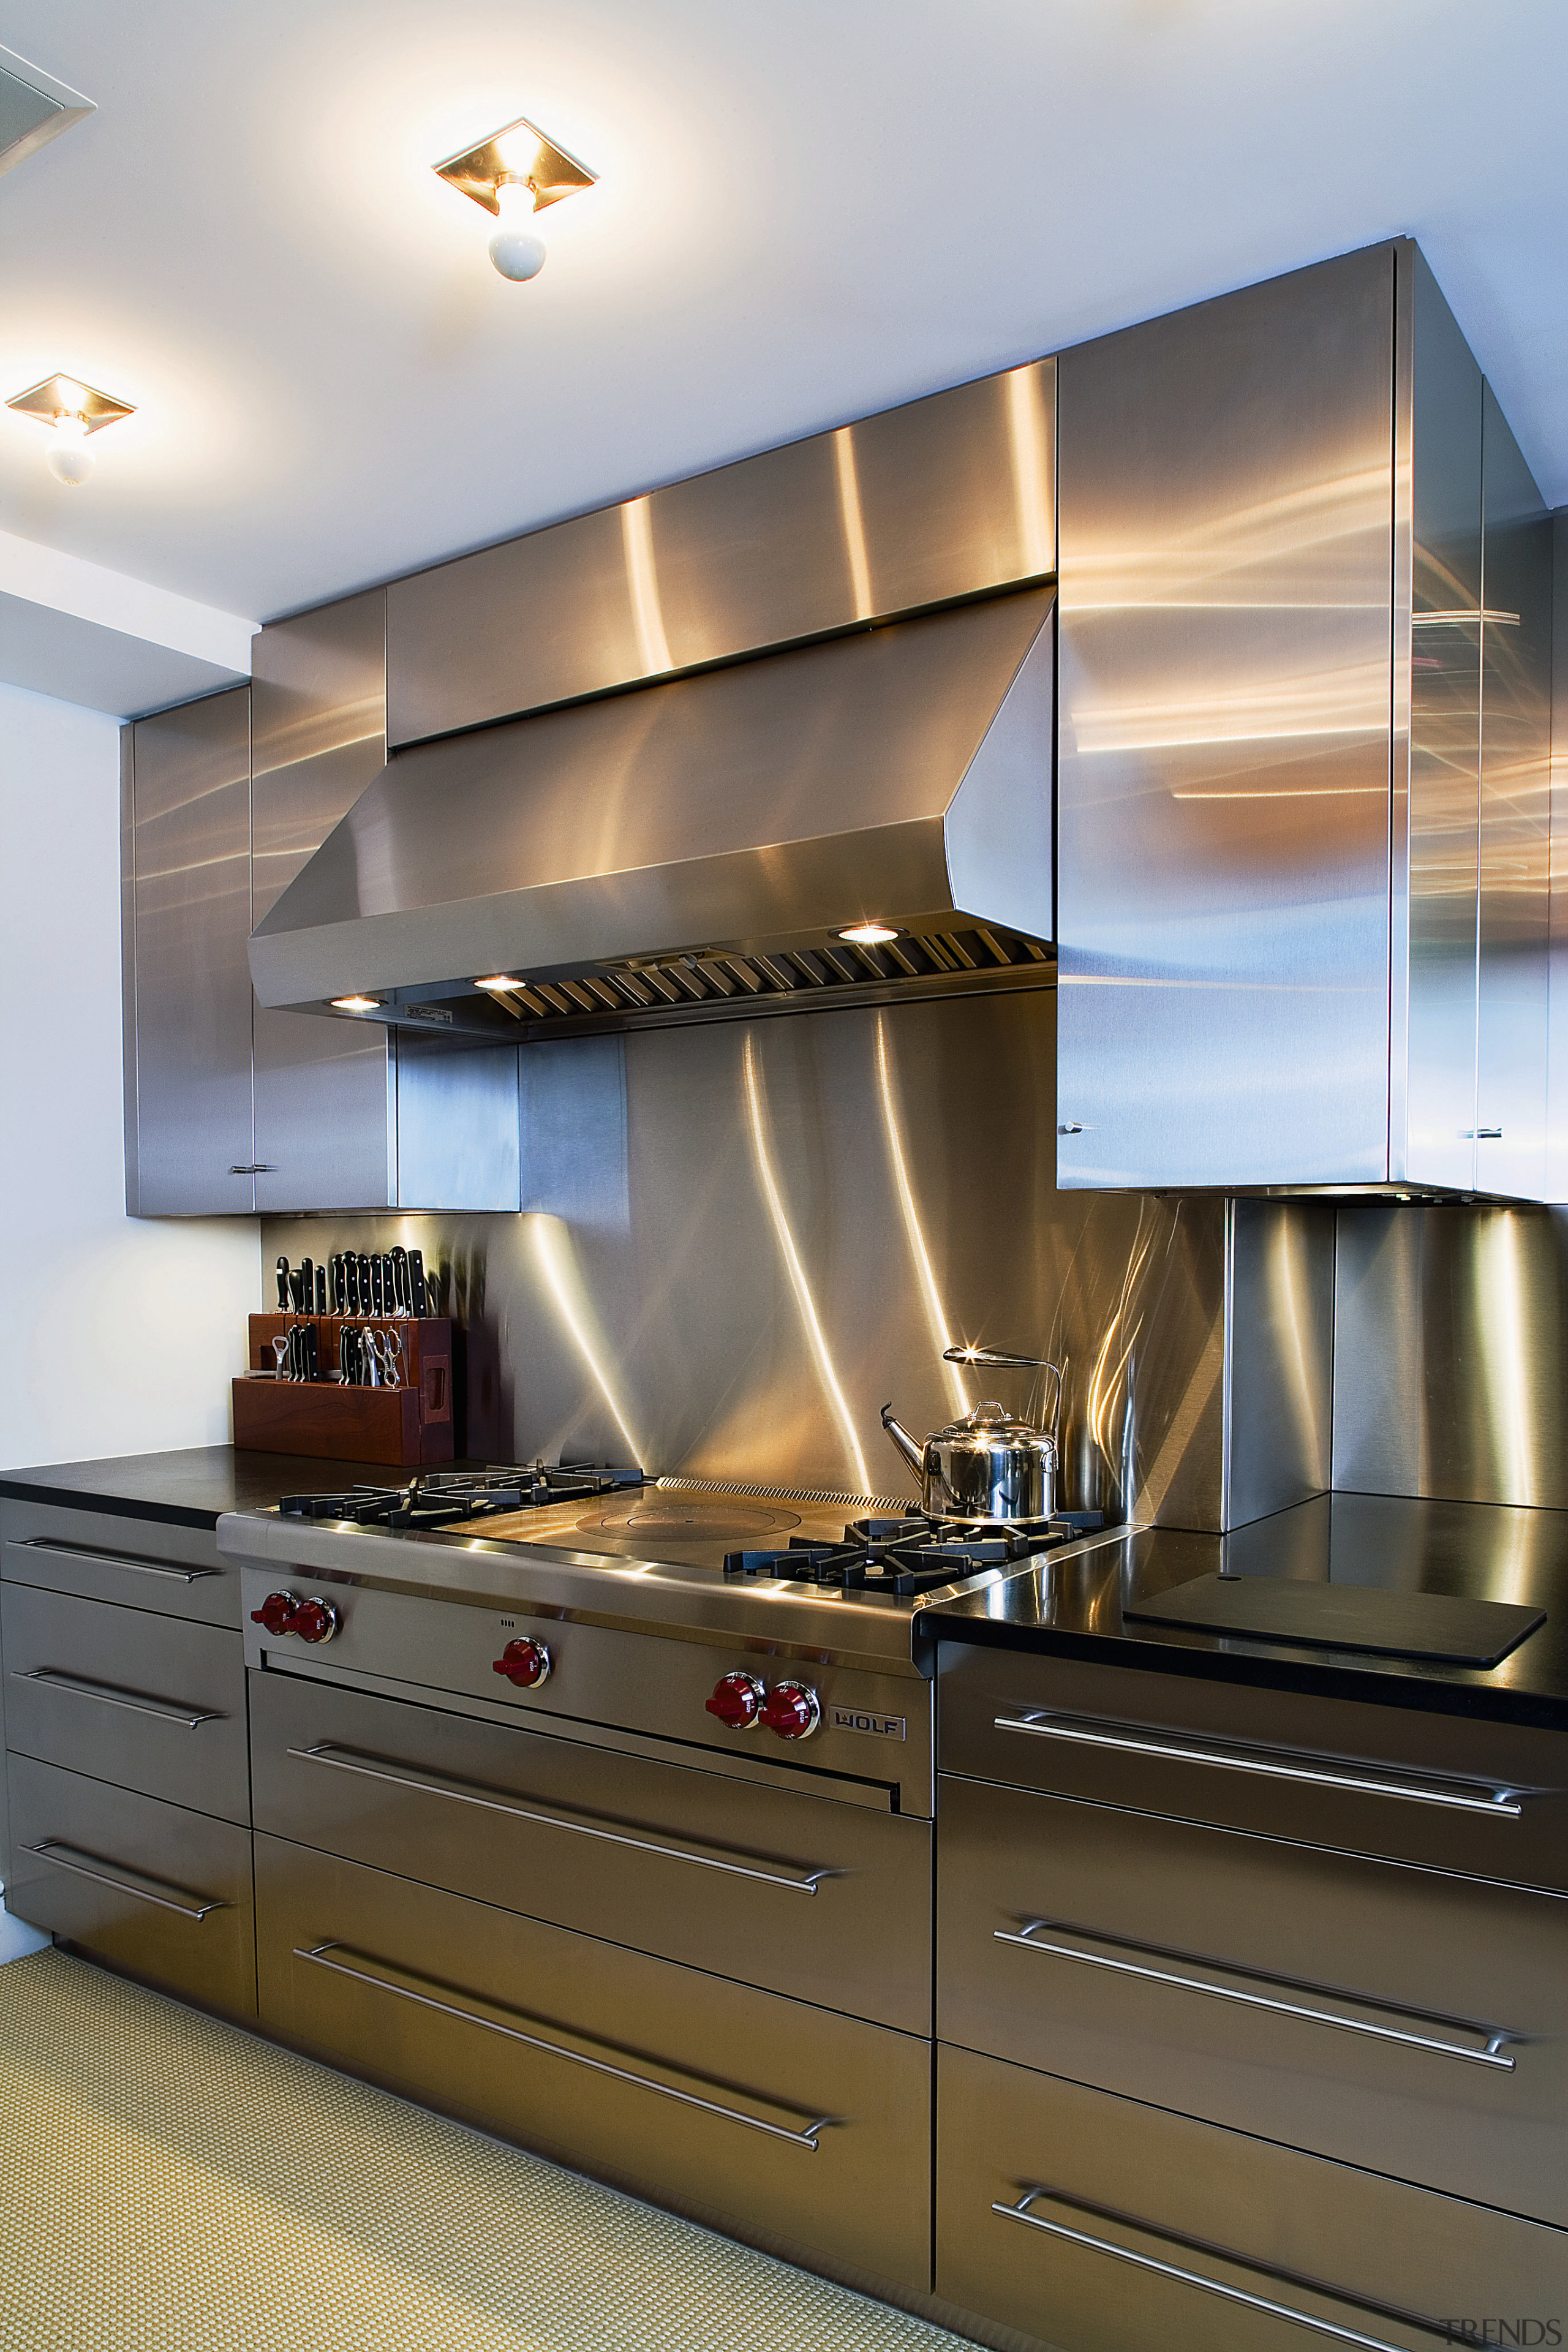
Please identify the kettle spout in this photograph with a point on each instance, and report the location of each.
(904, 1441)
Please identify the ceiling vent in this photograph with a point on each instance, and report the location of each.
(33, 109)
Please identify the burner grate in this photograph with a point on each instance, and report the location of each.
(441, 1498)
(906, 1557)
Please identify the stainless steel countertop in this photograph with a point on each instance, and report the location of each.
(1074, 1607)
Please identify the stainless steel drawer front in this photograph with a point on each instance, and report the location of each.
(173, 1570)
(678, 2083)
(146, 1890)
(107, 1695)
(798, 1894)
(1126, 1740)
(128, 1696)
(124, 1560)
(1045, 1935)
(1339, 2334)
(1409, 2020)
(1096, 2223)
(465, 1792)
(148, 1887)
(577, 2050)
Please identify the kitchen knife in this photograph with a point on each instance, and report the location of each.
(320, 1290)
(335, 1281)
(283, 1284)
(308, 1285)
(401, 1298)
(388, 1289)
(417, 1281)
(311, 1355)
(351, 1283)
(376, 1306)
(297, 1292)
(363, 1284)
(293, 1351)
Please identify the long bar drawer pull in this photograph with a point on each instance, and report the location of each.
(1497, 1803)
(369, 1973)
(1490, 2053)
(52, 1679)
(119, 1560)
(473, 1792)
(1020, 2212)
(90, 1865)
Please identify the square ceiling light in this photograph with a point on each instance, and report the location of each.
(66, 395)
(33, 109)
(519, 153)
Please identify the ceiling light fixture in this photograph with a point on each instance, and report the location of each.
(500, 979)
(356, 1005)
(74, 410)
(869, 935)
(515, 174)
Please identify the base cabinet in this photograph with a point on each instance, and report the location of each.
(791, 2120)
(1094, 2223)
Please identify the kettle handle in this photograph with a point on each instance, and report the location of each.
(1004, 1358)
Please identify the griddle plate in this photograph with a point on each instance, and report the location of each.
(1436, 1625)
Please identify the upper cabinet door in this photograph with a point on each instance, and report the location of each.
(1226, 536)
(1516, 820)
(325, 1087)
(190, 897)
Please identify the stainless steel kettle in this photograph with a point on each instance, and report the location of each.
(988, 1465)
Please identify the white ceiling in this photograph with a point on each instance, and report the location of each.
(809, 209)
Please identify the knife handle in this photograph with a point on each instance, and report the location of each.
(320, 1290)
(283, 1285)
(417, 1281)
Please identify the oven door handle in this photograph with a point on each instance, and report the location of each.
(778, 2121)
(1498, 1803)
(494, 1801)
(90, 1865)
(1032, 1938)
(1336, 2332)
(110, 1695)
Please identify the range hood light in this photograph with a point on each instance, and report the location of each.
(356, 1005)
(515, 174)
(869, 935)
(500, 979)
(74, 410)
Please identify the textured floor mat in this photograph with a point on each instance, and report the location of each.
(168, 2184)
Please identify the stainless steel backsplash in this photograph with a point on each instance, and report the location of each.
(1451, 1352)
(739, 1241)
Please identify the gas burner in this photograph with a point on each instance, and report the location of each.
(440, 1498)
(908, 1556)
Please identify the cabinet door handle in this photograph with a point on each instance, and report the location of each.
(109, 1695)
(1490, 2053)
(91, 1866)
(254, 1168)
(472, 1792)
(121, 1560)
(1331, 2328)
(1497, 1803)
(579, 2049)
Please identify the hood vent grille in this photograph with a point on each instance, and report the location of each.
(730, 982)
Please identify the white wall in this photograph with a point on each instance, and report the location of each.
(118, 1335)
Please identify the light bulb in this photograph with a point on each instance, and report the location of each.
(69, 460)
(517, 248)
(869, 935)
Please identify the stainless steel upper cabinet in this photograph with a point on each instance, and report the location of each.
(1516, 829)
(1226, 535)
(1303, 820)
(325, 1089)
(946, 497)
(187, 1007)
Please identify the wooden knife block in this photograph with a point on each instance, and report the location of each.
(406, 1426)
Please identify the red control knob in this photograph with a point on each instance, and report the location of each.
(737, 1701)
(525, 1663)
(275, 1613)
(792, 1710)
(314, 1621)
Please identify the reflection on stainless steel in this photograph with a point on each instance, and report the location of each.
(948, 496)
(811, 1321)
(1557, 1047)
(1515, 834)
(563, 1282)
(902, 771)
(691, 1287)
(1278, 1361)
(936, 1313)
(1224, 555)
(1451, 1353)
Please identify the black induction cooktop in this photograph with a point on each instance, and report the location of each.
(1450, 1627)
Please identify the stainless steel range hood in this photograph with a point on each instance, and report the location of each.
(901, 774)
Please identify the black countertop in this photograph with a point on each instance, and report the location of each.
(191, 1488)
(1493, 1551)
